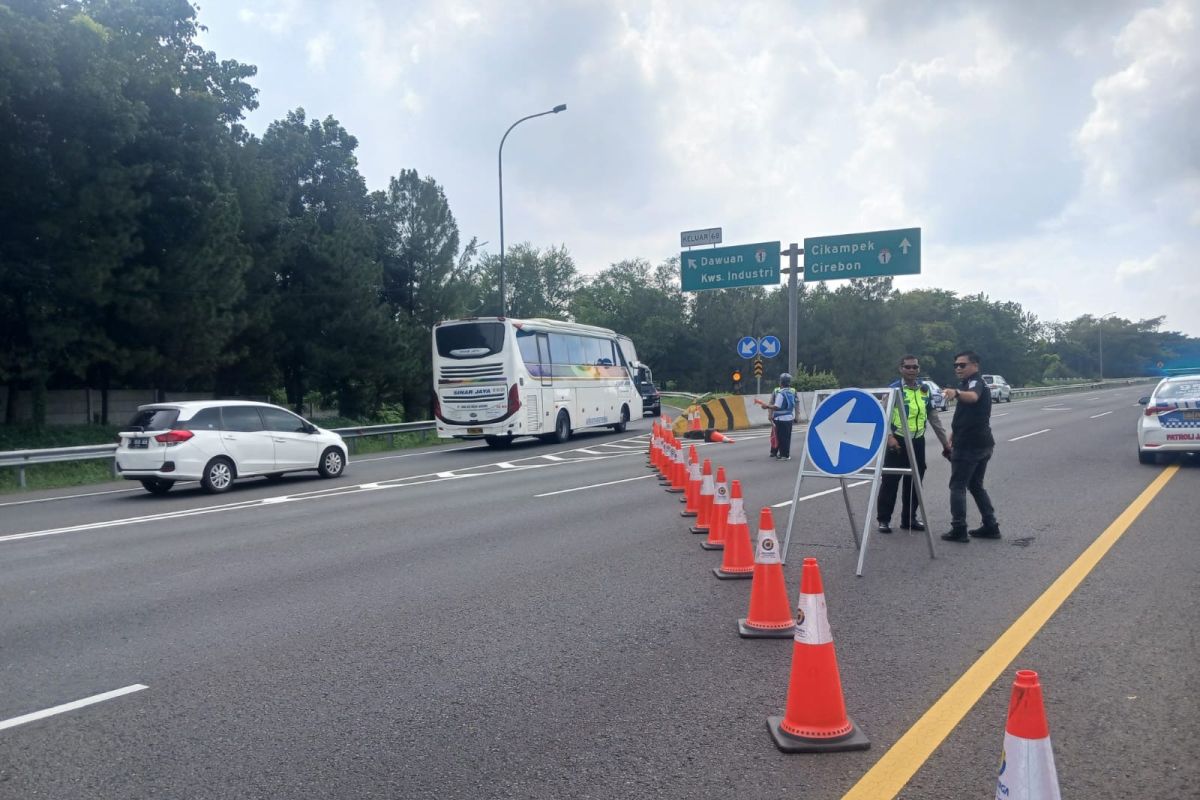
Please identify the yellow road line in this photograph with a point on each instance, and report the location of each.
(897, 766)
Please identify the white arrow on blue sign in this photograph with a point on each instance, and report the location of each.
(846, 432)
(768, 346)
(747, 347)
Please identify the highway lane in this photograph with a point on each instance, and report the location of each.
(467, 638)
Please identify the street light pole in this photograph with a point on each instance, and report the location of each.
(500, 173)
(1100, 334)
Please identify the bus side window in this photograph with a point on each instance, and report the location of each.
(575, 352)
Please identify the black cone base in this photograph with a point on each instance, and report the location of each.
(732, 576)
(710, 546)
(749, 632)
(854, 740)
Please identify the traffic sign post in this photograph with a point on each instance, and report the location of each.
(863, 255)
(844, 439)
(729, 267)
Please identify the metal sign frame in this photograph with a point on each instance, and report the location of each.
(889, 398)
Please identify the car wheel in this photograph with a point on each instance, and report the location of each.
(656, 411)
(1145, 457)
(562, 427)
(624, 423)
(157, 485)
(218, 476)
(332, 463)
(499, 442)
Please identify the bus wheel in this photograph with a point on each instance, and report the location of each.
(498, 441)
(624, 423)
(562, 427)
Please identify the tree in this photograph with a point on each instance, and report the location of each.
(331, 329)
(540, 282)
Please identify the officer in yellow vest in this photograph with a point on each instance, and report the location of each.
(915, 411)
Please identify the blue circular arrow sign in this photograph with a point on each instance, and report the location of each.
(846, 432)
(747, 347)
(769, 346)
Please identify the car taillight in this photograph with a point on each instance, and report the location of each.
(514, 400)
(1152, 410)
(173, 437)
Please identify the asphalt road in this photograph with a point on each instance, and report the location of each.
(538, 623)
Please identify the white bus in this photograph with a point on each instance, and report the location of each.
(496, 378)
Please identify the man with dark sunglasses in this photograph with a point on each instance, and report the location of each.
(971, 446)
(914, 411)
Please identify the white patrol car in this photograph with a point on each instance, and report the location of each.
(1171, 420)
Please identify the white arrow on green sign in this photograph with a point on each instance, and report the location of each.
(863, 255)
(727, 267)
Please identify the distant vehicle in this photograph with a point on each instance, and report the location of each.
(1001, 391)
(1171, 419)
(935, 395)
(497, 378)
(651, 398)
(217, 441)
(643, 378)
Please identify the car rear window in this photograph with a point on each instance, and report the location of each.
(154, 419)
(1180, 390)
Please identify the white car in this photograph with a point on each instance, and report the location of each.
(1171, 421)
(936, 398)
(218, 441)
(1001, 391)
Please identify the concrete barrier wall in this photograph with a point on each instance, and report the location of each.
(82, 406)
(739, 412)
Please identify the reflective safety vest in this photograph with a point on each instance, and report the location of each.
(916, 408)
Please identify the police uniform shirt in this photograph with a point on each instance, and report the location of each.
(972, 427)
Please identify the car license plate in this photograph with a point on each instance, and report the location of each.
(139, 443)
(1191, 414)
(475, 430)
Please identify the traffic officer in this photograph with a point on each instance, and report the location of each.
(971, 449)
(783, 415)
(915, 410)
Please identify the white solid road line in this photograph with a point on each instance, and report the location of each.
(820, 494)
(1026, 436)
(594, 486)
(87, 701)
(1097, 416)
(70, 497)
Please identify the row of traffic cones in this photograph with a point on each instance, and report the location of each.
(815, 717)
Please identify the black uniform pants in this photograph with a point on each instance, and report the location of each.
(967, 470)
(889, 484)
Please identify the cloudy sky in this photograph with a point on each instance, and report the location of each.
(1049, 151)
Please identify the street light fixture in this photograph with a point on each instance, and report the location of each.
(1100, 335)
(500, 173)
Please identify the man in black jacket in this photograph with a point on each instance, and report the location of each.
(971, 446)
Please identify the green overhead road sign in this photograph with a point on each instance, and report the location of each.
(727, 267)
(863, 255)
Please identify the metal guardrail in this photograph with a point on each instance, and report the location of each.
(20, 459)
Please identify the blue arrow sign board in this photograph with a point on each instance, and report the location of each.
(747, 347)
(727, 267)
(863, 255)
(769, 346)
(846, 432)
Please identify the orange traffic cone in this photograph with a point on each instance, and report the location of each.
(695, 431)
(678, 471)
(707, 490)
(1027, 766)
(770, 614)
(692, 495)
(815, 720)
(737, 562)
(668, 459)
(720, 514)
(713, 435)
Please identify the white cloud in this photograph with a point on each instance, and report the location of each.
(318, 48)
(1049, 157)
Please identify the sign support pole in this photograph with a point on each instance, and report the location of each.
(793, 253)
